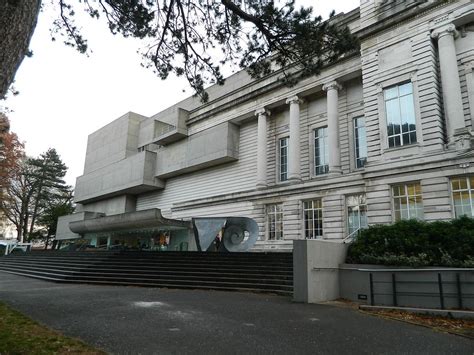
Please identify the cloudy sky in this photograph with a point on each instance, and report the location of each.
(65, 96)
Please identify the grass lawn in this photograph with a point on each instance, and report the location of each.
(21, 335)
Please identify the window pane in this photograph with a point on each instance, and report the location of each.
(391, 93)
(393, 113)
(407, 109)
(405, 89)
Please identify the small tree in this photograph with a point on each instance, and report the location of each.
(11, 156)
(35, 188)
(61, 205)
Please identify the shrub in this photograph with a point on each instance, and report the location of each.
(416, 243)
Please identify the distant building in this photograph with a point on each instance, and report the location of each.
(381, 135)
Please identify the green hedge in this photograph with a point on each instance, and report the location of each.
(415, 243)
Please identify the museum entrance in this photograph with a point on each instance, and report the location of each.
(146, 239)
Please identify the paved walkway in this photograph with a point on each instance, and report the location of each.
(131, 320)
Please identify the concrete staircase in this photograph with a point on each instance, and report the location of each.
(256, 272)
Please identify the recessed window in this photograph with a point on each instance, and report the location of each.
(400, 110)
(407, 201)
(283, 158)
(321, 157)
(275, 222)
(463, 196)
(360, 142)
(356, 213)
(313, 219)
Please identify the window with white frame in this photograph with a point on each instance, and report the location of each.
(313, 219)
(407, 201)
(462, 190)
(360, 142)
(356, 213)
(275, 222)
(400, 111)
(283, 159)
(321, 153)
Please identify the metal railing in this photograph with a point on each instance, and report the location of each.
(394, 283)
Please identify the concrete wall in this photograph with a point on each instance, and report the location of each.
(113, 142)
(415, 288)
(132, 175)
(315, 270)
(214, 146)
(63, 231)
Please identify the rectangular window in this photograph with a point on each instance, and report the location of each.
(275, 222)
(313, 219)
(283, 157)
(356, 213)
(360, 142)
(321, 157)
(407, 201)
(463, 196)
(400, 109)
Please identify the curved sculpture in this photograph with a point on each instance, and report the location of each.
(239, 233)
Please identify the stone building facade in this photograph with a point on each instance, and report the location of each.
(381, 135)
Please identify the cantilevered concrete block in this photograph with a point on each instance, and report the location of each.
(214, 146)
(133, 175)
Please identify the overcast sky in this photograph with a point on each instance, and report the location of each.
(65, 96)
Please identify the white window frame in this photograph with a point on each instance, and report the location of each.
(407, 197)
(313, 210)
(274, 209)
(313, 150)
(415, 148)
(347, 210)
(279, 171)
(470, 190)
(354, 142)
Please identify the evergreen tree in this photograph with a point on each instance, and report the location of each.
(60, 205)
(192, 38)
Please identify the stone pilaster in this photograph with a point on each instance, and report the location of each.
(333, 126)
(262, 115)
(294, 154)
(450, 82)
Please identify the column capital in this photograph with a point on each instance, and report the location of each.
(332, 85)
(449, 29)
(294, 100)
(469, 66)
(262, 112)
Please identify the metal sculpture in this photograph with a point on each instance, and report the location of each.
(239, 233)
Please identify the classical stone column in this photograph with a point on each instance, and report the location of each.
(450, 79)
(294, 154)
(333, 126)
(262, 115)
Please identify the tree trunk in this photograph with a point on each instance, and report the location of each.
(17, 22)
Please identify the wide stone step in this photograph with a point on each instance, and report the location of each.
(262, 272)
(191, 284)
(152, 273)
(146, 266)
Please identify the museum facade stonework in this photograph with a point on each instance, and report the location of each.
(381, 135)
